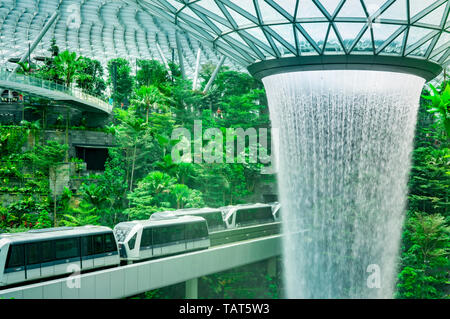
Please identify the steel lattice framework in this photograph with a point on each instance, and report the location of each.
(256, 30)
(247, 31)
(99, 29)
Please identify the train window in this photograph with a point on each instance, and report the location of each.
(86, 246)
(48, 253)
(15, 256)
(110, 243)
(196, 230)
(254, 215)
(214, 220)
(202, 230)
(66, 248)
(162, 235)
(146, 239)
(33, 253)
(176, 233)
(132, 241)
(190, 234)
(158, 236)
(98, 244)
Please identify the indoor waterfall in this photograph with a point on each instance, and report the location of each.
(345, 141)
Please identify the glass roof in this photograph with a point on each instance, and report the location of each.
(254, 30)
(99, 29)
(247, 31)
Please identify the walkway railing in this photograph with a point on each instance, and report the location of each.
(10, 78)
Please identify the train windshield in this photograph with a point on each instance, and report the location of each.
(122, 230)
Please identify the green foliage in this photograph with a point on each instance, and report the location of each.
(12, 139)
(136, 145)
(42, 107)
(246, 282)
(30, 211)
(151, 73)
(114, 188)
(426, 263)
(150, 98)
(47, 156)
(90, 77)
(84, 214)
(44, 220)
(8, 170)
(440, 106)
(123, 82)
(25, 67)
(68, 66)
(159, 191)
(223, 184)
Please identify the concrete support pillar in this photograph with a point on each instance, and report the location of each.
(180, 55)
(214, 75)
(272, 267)
(37, 40)
(163, 58)
(197, 66)
(192, 288)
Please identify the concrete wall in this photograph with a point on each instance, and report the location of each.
(59, 178)
(12, 113)
(81, 138)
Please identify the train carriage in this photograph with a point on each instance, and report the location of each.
(49, 253)
(145, 239)
(213, 216)
(247, 215)
(52, 252)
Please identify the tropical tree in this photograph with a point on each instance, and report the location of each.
(440, 106)
(151, 73)
(158, 191)
(426, 262)
(84, 214)
(120, 80)
(47, 158)
(90, 77)
(150, 98)
(424, 258)
(136, 140)
(68, 65)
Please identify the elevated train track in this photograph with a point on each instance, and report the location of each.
(130, 280)
(249, 233)
(228, 236)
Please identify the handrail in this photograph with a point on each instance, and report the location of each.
(6, 75)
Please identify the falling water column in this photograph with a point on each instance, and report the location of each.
(345, 140)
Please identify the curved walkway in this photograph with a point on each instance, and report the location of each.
(54, 91)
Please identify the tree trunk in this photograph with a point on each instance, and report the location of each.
(132, 167)
(54, 201)
(67, 135)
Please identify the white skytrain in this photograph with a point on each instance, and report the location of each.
(145, 239)
(52, 252)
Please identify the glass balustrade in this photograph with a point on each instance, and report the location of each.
(76, 93)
